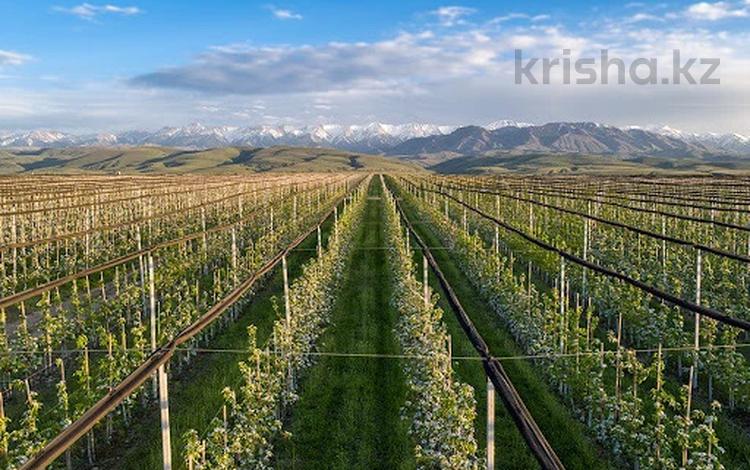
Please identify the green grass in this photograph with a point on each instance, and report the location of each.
(348, 413)
(566, 434)
(733, 437)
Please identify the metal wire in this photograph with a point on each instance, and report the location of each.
(368, 355)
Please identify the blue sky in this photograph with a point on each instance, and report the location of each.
(125, 64)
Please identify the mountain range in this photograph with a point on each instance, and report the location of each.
(374, 137)
(413, 139)
(576, 138)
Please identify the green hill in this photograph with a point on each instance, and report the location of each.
(239, 160)
(228, 160)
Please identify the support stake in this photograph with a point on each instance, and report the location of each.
(425, 281)
(166, 443)
(152, 308)
(490, 425)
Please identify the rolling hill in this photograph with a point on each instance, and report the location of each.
(226, 160)
(239, 160)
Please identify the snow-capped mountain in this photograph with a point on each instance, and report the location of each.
(194, 136)
(729, 143)
(505, 123)
(377, 137)
(37, 139)
(373, 137)
(736, 143)
(554, 137)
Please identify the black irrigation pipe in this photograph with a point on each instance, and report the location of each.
(621, 193)
(647, 197)
(642, 209)
(686, 193)
(73, 432)
(648, 233)
(528, 428)
(659, 294)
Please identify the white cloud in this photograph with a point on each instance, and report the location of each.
(405, 60)
(643, 17)
(453, 15)
(284, 14)
(88, 11)
(518, 16)
(714, 11)
(13, 58)
(209, 108)
(508, 17)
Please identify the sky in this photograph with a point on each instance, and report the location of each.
(138, 64)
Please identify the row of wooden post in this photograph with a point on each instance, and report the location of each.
(161, 380)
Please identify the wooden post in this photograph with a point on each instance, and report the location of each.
(531, 219)
(166, 444)
(562, 305)
(687, 412)
(234, 256)
(585, 254)
(203, 229)
(287, 307)
(490, 425)
(320, 243)
(288, 315)
(336, 222)
(450, 350)
(658, 391)
(14, 240)
(563, 298)
(664, 249)
(142, 270)
(619, 360)
(87, 243)
(698, 278)
(240, 210)
(425, 282)
(152, 308)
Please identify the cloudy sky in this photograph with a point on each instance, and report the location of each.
(145, 64)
